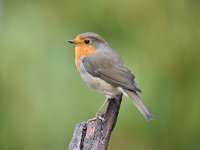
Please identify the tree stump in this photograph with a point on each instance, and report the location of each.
(95, 135)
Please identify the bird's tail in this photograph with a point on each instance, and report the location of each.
(139, 104)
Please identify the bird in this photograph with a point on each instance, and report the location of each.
(102, 69)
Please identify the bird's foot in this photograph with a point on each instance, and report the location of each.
(98, 116)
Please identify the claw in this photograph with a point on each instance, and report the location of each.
(92, 119)
(99, 116)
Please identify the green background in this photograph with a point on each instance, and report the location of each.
(42, 95)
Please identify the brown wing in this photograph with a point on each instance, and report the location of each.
(110, 70)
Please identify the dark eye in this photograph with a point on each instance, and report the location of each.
(87, 41)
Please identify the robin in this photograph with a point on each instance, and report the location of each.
(104, 71)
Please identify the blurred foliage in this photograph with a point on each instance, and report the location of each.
(42, 96)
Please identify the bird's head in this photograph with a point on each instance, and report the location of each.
(88, 40)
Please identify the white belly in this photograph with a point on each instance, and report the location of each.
(98, 84)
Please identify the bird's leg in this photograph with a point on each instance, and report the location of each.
(99, 111)
(98, 114)
(116, 98)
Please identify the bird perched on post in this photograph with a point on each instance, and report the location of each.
(104, 71)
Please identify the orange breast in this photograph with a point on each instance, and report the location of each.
(81, 51)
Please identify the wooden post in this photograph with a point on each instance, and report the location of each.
(95, 135)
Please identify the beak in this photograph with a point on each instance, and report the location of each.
(71, 41)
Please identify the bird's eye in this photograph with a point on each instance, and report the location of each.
(87, 41)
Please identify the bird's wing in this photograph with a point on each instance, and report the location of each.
(110, 68)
